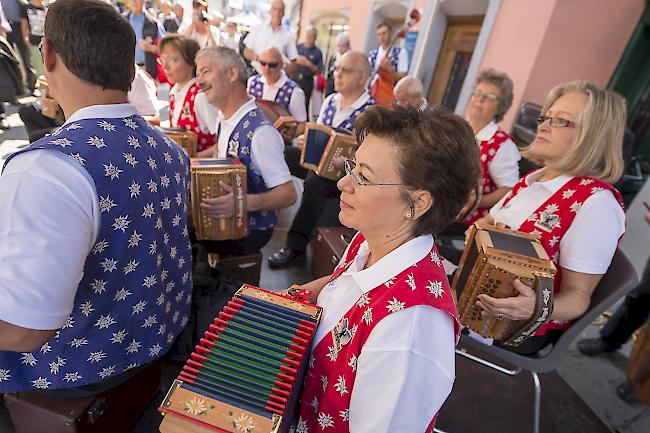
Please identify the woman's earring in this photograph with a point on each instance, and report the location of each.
(411, 214)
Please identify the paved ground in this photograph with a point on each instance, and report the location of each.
(579, 397)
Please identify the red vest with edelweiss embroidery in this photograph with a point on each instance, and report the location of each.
(488, 149)
(187, 119)
(554, 217)
(333, 366)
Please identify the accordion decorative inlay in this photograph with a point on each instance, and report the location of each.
(322, 145)
(186, 139)
(279, 117)
(493, 258)
(206, 175)
(246, 374)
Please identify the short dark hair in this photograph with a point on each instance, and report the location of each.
(94, 41)
(437, 153)
(187, 46)
(383, 24)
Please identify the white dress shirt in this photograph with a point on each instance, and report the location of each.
(230, 42)
(267, 147)
(143, 94)
(341, 114)
(504, 168)
(206, 114)
(48, 203)
(406, 368)
(589, 244)
(402, 59)
(297, 101)
(263, 36)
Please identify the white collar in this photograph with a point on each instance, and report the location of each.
(110, 111)
(240, 113)
(552, 185)
(391, 264)
(281, 81)
(365, 96)
(280, 29)
(178, 91)
(488, 131)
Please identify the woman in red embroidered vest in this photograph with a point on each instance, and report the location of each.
(188, 107)
(569, 204)
(490, 101)
(383, 355)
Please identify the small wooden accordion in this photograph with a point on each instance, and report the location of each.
(638, 367)
(206, 175)
(280, 117)
(246, 374)
(49, 107)
(322, 145)
(186, 139)
(493, 258)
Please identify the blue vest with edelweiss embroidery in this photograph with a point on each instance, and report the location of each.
(393, 56)
(239, 146)
(134, 297)
(283, 97)
(330, 111)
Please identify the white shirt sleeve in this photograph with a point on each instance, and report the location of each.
(249, 40)
(404, 373)
(589, 244)
(297, 105)
(291, 49)
(267, 156)
(504, 168)
(49, 218)
(206, 113)
(143, 94)
(402, 62)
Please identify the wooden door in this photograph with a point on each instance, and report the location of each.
(453, 61)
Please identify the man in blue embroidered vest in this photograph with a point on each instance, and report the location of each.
(96, 267)
(243, 132)
(340, 110)
(396, 63)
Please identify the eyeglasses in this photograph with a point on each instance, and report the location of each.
(269, 64)
(359, 178)
(487, 96)
(556, 121)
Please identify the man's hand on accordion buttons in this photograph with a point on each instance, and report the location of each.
(520, 307)
(219, 207)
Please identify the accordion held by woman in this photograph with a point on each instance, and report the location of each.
(186, 139)
(246, 374)
(206, 175)
(322, 145)
(280, 117)
(493, 258)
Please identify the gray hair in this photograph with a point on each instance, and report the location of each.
(505, 85)
(227, 58)
(343, 38)
(409, 84)
(313, 29)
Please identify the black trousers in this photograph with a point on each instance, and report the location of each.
(292, 158)
(36, 124)
(631, 315)
(307, 86)
(249, 244)
(317, 191)
(15, 37)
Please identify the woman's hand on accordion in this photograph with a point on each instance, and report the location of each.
(222, 206)
(520, 307)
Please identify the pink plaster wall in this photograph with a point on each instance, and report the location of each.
(541, 44)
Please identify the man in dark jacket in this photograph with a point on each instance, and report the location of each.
(147, 32)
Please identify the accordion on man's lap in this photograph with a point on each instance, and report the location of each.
(246, 374)
(280, 118)
(322, 144)
(493, 258)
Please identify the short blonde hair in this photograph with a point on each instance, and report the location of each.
(598, 147)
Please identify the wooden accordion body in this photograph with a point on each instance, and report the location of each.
(246, 374)
(322, 145)
(493, 258)
(206, 175)
(49, 107)
(186, 139)
(638, 366)
(279, 117)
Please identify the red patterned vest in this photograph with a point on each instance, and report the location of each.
(554, 217)
(333, 366)
(187, 119)
(489, 148)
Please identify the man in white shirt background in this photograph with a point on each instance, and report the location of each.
(271, 33)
